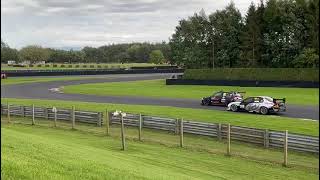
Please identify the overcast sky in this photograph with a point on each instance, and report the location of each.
(79, 23)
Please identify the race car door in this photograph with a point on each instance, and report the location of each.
(216, 98)
(246, 103)
(254, 104)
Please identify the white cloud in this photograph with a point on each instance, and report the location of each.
(59, 23)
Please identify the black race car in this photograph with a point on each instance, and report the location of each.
(222, 98)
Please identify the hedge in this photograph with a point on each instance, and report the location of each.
(262, 74)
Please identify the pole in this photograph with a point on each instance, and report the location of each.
(285, 145)
(73, 117)
(8, 113)
(228, 137)
(181, 132)
(140, 126)
(122, 133)
(107, 122)
(55, 118)
(33, 114)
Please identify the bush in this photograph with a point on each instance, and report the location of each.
(39, 65)
(31, 65)
(54, 65)
(98, 66)
(70, 66)
(47, 65)
(91, 66)
(77, 66)
(84, 66)
(263, 74)
(62, 65)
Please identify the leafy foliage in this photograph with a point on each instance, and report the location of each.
(270, 35)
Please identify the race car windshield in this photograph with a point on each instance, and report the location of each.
(268, 99)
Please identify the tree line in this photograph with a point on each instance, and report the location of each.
(115, 53)
(278, 33)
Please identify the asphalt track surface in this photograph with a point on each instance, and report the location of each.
(41, 91)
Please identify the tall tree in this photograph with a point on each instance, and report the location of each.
(156, 57)
(227, 25)
(34, 54)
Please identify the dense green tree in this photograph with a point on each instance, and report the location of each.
(307, 58)
(227, 25)
(34, 54)
(156, 57)
(190, 44)
(8, 54)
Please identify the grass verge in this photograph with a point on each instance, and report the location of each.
(293, 125)
(34, 152)
(158, 88)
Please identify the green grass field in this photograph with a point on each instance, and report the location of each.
(39, 152)
(24, 80)
(80, 66)
(293, 125)
(158, 88)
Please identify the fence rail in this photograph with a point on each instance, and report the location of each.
(249, 135)
(47, 113)
(266, 138)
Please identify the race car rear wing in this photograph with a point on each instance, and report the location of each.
(283, 100)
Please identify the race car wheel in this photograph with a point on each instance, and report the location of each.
(264, 110)
(234, 108)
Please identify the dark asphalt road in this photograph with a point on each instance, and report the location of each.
(41, 91)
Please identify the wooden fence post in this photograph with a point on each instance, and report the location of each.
(73, 117)
(107, 122)
(176, 130)
(122, 133)
(99, 119)
(285, 147)
(22, 111)
(266, 138)
(8, 113)
(46, 114)
(55, 118)
(229, 139)
(181, 132)
(140, 126)
(33, 115)
(219, 134)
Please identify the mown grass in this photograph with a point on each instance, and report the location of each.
(23, 80)
(58, 66)
(158, 88)
(41, 152)
(293, 125)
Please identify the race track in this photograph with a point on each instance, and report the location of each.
(41, 91)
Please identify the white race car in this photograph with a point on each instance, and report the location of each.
(259, 104)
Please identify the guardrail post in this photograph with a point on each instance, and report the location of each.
(181, 132)
(140, 126)
(33, 115)
(229, 139)
(266, 138)
(122, 134)
(8, 112)
(73, 117)
(107, 122)
(285, 148)
(219, 132)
